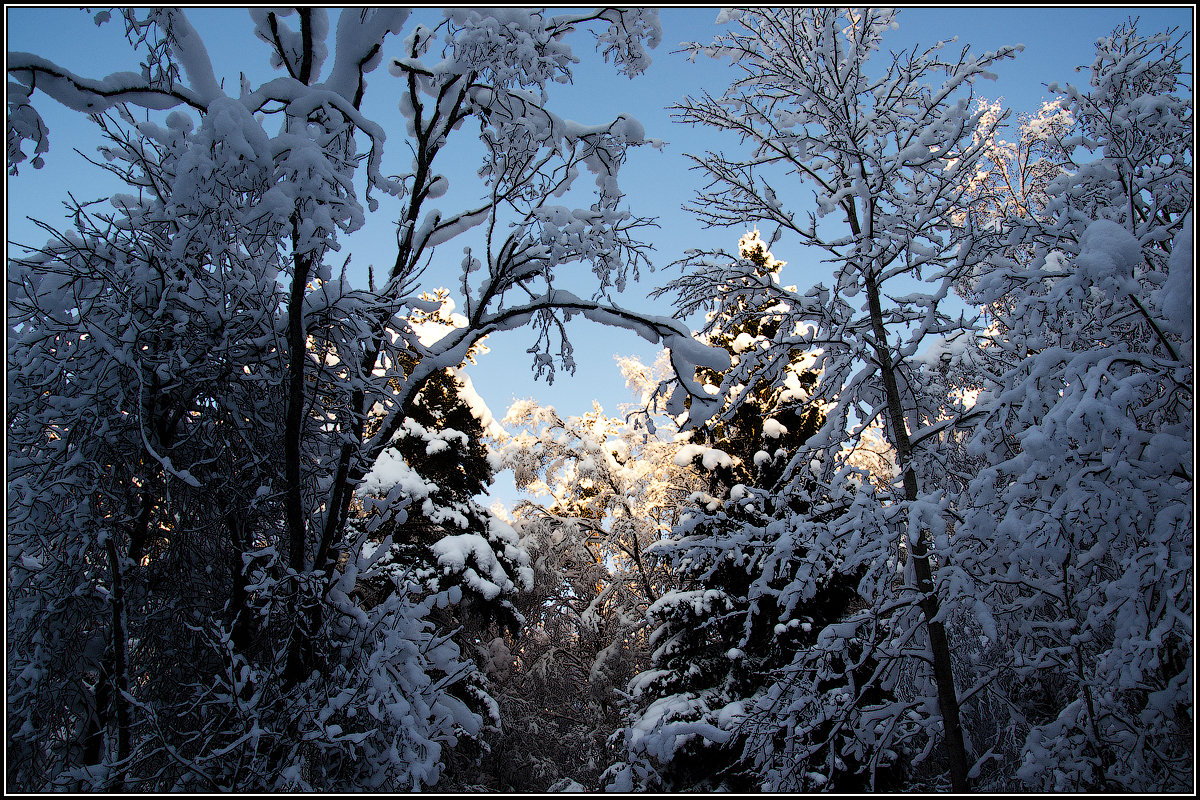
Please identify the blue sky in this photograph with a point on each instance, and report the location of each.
(657, 182)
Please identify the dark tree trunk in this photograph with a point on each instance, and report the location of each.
(120, 673)
(939, 647)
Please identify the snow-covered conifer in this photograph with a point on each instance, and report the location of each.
(752, 593)
(884, 149)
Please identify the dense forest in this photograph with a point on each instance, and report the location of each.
(924, 526)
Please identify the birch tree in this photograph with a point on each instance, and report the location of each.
(883, 143)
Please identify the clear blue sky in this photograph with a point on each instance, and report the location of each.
(658, 182)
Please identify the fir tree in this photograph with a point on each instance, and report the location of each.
(442, 447)
(737, 621)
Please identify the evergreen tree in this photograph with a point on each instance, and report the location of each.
(428, 521)
(441, 453)
(864, 163)
(737, 620)
(761, 427)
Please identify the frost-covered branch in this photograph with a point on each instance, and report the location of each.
(205, 390)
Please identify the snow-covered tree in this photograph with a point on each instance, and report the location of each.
(605, 490)
(439, 459)
(619, 485)
(1012, 178)
(767, 415)
(198, 376)
(739, 556)
(1079, 531)
(886, 152)
(141, 426)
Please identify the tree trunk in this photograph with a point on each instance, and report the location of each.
(294, 420)
(239, 598)
(943, 674)
(299, 657)
(120, 673)
(93, 737)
